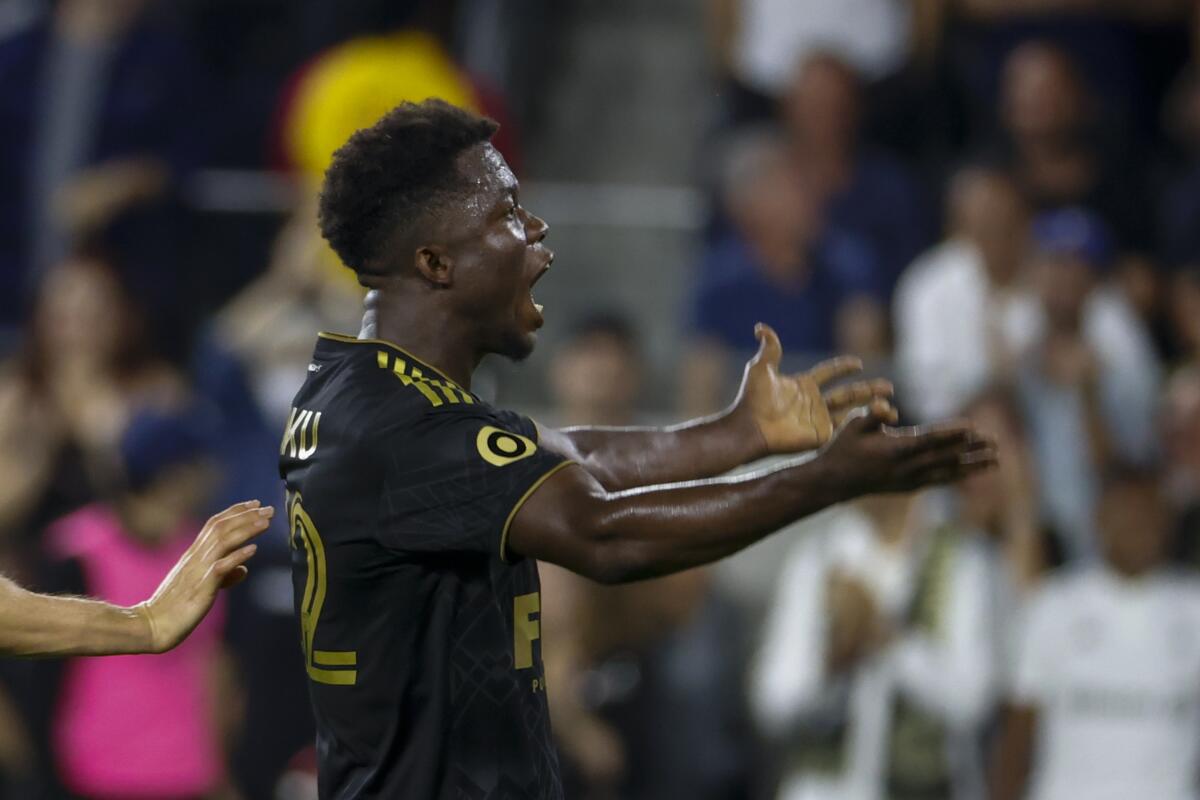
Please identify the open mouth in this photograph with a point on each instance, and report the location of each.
(538, 307)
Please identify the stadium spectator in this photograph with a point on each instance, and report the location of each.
(91, 134)
(1181, 448)
(1178, 238)
(1106, 696)
(247, 363)
(1052, 143)
(1089, 384)
(85, 362)
(141, 726)
(267, 328)
(644, 679)
(596, 374)
(1183, 312)
(819, 287)
(1142, 283)
(1002, 508)
(877, 667)
(1126, 49)
(963, 312)
(760, 42)
(867, 192)
(1003, 504)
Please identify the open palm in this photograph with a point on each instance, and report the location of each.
(794, 413)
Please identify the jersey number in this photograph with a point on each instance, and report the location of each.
(334, 667)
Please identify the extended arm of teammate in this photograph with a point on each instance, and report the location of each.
(38, 625)
(574, 521)
(773, 413)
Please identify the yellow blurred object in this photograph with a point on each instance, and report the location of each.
(353, 85)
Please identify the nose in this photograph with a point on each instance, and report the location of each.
(535, 228)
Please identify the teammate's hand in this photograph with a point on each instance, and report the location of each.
(790, 412)
(215, 561)
(866, 457)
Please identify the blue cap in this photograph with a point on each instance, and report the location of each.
(155, 440)
(1073, 232)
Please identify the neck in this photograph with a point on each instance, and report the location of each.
(827, 161)
(421, 329)
(1129, 574)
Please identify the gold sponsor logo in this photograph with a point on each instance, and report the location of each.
(500, 448)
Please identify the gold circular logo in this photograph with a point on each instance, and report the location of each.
(499, 447)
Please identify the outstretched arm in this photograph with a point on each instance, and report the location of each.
(772, 413)
(45, 625)
(574, 521)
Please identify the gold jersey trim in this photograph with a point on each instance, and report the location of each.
(345, 339)
(517, 506)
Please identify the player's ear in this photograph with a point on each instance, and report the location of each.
(434, 265)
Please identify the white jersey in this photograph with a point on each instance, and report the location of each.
(1113, 667)
(948, 675)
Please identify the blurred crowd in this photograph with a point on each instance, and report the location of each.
(994, 203)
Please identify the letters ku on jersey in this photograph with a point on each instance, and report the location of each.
(420, 631)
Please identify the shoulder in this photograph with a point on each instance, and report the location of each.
(947, 266)
(393, 387)
(1183, 585)
(1111, 324)
(1064, 589)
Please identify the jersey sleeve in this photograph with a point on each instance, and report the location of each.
(457, 477)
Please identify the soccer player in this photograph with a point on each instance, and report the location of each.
(45, 625)
(418, 511)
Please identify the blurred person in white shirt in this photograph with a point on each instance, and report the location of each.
(878, 659)
(1090, 384)
(1106, 694)
(963, 314)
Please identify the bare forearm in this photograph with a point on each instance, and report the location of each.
(624, 458)
(43, 625)
(574, 521)
(643, 533)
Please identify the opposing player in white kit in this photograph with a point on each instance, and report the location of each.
(1106, 696)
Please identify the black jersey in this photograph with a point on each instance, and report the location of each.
(420, 632)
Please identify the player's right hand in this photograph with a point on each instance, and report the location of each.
(215, 561)
(866, 456)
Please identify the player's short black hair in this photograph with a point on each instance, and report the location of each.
(387, 175)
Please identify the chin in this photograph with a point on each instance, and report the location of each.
(517, 346)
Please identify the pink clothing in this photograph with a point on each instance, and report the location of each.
(135, 727)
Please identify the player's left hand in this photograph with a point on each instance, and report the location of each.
(794, 413)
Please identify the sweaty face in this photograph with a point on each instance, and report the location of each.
(497, 257)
